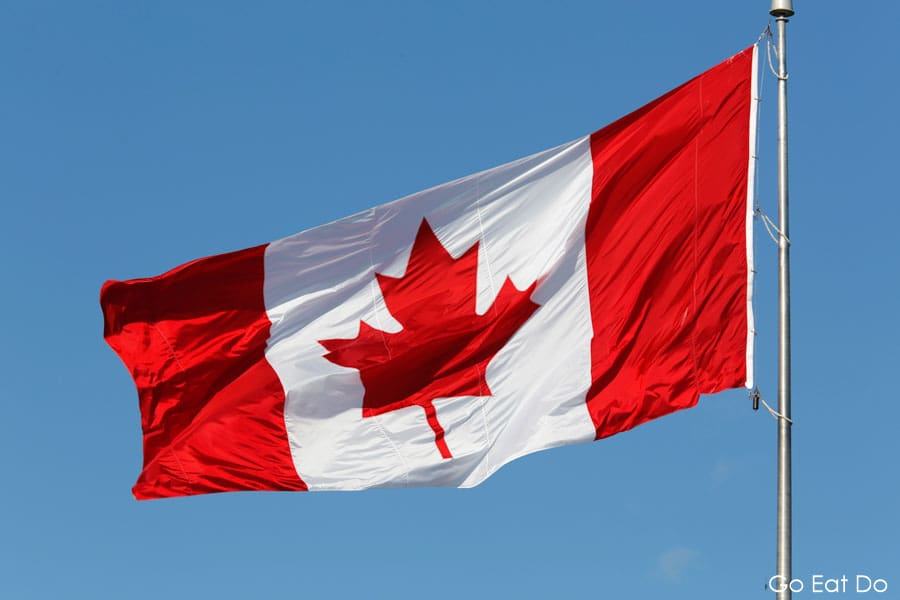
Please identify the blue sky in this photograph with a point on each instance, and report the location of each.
(135, 136)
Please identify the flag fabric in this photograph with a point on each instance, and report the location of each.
(557, 299)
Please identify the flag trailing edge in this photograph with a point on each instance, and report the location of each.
(560, 298)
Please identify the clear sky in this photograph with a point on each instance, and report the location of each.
(135, 136)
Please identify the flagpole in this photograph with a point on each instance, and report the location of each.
(782, 10)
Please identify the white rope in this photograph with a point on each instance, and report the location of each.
(774, 412)
(767, 32)
(770, 48)
(770, 226)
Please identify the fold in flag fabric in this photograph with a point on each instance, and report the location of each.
(557, 299)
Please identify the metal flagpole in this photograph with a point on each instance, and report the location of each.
(782, 10)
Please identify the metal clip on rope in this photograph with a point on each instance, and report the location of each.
(757, 398)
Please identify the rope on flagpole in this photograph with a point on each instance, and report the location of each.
(769, 224)
(770, 48)
(757, 398)
(766, 33)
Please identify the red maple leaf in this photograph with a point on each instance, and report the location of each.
(444, 346)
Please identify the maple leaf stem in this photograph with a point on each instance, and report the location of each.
(431, 417)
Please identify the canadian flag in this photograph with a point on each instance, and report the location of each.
(557, 299)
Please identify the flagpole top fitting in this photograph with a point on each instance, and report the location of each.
(782, 8)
